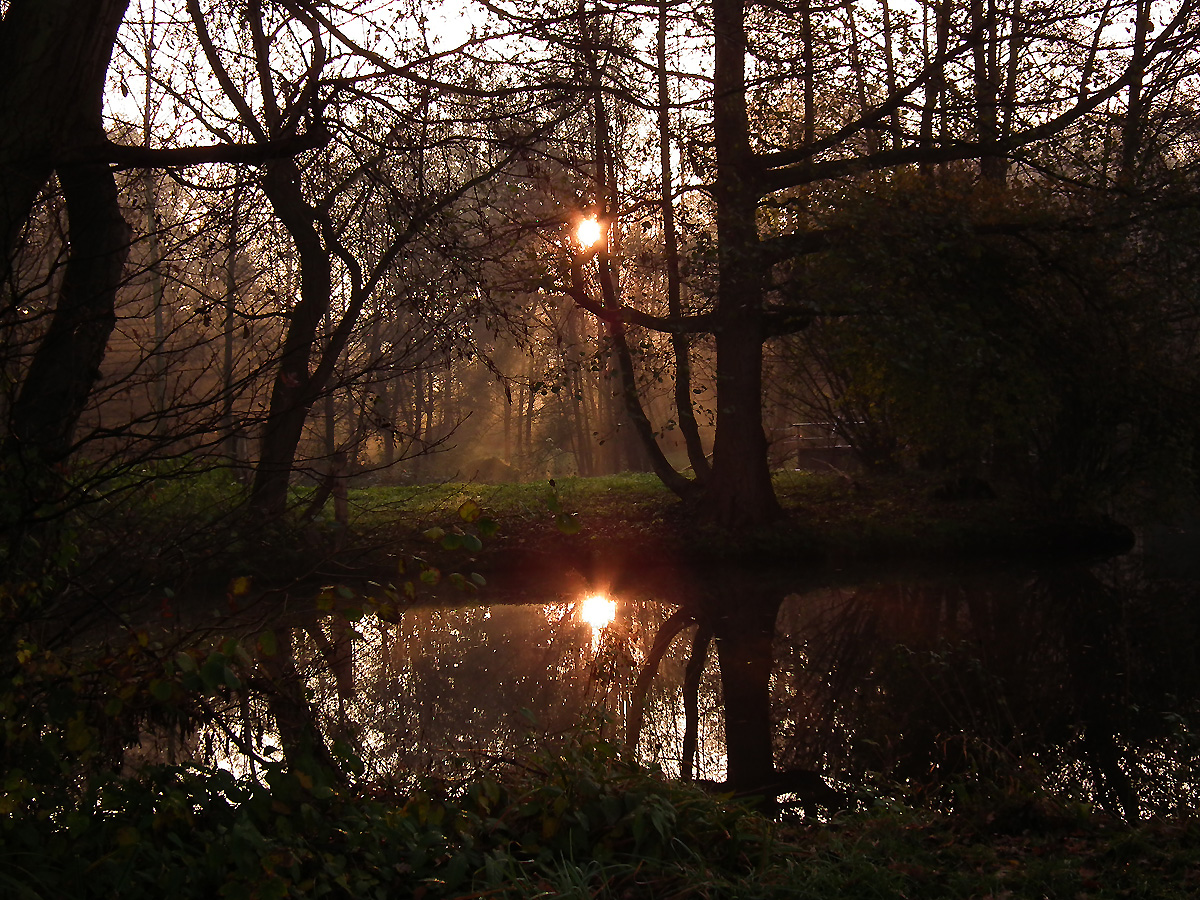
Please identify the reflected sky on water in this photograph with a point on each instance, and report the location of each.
(1087, 679)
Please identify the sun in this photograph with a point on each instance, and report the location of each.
(598, 611)
(588, 232)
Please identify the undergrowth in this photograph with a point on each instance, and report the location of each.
(584, 823)
(580, 823)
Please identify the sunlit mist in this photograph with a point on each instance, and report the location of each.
(588, 232)
(598, 611)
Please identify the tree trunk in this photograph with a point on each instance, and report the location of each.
(581, 430)
(693, 672)
(740, 492)
(1133, 125)
(932, 111)
(229, 426)
(992, 166)
(583, 424)
(507, 408)
(303, 745)
(860, 87)
(745, 654)
(157, 298)
(807, 74)
(54, 55)
(889, 58)
(418, 419)
(519, 445)
(1016, 37)
(67, 363)
(646, 443)
(684, 411)
(526, 425)
(293, 391)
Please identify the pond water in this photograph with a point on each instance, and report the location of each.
(1082, 679)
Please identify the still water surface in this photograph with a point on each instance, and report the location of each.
(1085, 680)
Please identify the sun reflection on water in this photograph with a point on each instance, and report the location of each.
(598, 611)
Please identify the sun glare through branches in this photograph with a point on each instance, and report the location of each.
(588, 232)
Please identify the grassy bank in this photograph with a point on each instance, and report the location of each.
(828, 518)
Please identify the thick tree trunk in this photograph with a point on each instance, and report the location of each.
(740, 491)
(992, 166)
(745, 653)
(67, 363)
(53, 58)
(54, 55)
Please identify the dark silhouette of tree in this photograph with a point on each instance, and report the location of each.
(53, 60)
(974, 95)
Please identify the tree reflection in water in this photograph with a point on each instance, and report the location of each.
(1073, 680)
(448, 689)
(1080, 681)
